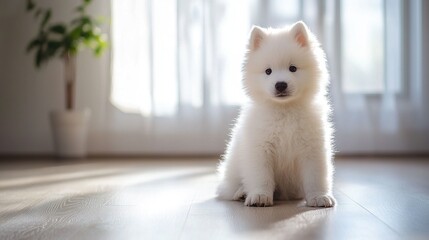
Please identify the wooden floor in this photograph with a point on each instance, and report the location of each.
(174, 199)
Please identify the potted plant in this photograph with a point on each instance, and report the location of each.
(62, 40)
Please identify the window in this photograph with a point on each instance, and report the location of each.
(172, 56)
(371, 46)
(178, 64)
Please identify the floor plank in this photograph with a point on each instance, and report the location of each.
(174, 199)
(396, 192)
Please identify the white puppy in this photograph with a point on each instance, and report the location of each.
(281, 143)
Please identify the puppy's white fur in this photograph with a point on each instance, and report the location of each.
(281, 145)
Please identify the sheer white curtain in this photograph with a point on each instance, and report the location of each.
(173, 55)
(176, 66)
(374, 49)
(177, 63)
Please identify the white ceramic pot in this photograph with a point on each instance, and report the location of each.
(70, 130)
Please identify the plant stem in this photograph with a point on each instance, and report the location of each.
(70, 78)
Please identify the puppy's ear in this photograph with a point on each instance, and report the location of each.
(257, 35)
(300, 33)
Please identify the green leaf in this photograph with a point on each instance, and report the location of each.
(98, 50)
(80, 9)
(36, 42)
(100, 19)
(86, 20)
(39, 57)
(75, 33)
(100, 45)
(58, 28)
(52, 48)
(87, 1)
(46, 18)
(54, 44)
(30, 5)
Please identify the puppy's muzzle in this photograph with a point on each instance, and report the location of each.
(281, 88)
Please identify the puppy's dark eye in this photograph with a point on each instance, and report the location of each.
(292, 68)
(268, 71)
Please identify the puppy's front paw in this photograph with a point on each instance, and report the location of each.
(239, 195)
(258, 200)
(324, 200)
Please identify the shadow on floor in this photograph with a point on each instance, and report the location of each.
(286, 219)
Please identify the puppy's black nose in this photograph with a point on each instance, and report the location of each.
(281, 86)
